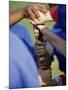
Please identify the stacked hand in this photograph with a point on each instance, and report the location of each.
(43, 58)
(32, 11)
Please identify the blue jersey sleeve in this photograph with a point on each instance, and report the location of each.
(23, 34)
(22, 68)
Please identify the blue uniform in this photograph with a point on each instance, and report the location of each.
(60, 30)
(22, 68)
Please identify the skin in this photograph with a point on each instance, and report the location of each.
(32, 12)
(55, 40)
(27, 12)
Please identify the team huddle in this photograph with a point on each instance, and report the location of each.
(30, 64)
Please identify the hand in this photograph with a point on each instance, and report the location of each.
(29, 11)
(46, 77)
(36, 33)
(32, 11)
(43, 58)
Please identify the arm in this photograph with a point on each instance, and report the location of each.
(16, 16)
(55, 40)
(29, 11)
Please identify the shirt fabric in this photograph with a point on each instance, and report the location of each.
(61, 58)
(23, 71)
(60, 29)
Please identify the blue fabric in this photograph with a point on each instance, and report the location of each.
(60, 30)
(62, 17)
(22, 68)
(22, 33)
(61, 58)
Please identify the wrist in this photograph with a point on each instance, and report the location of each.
(46, 76)
(41, 27)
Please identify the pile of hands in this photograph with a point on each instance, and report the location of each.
(37, 16)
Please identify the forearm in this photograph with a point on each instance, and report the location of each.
(55, 40)
(16, 16)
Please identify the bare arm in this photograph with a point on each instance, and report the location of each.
(55, 40)
(16, 16)
(29, 11)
